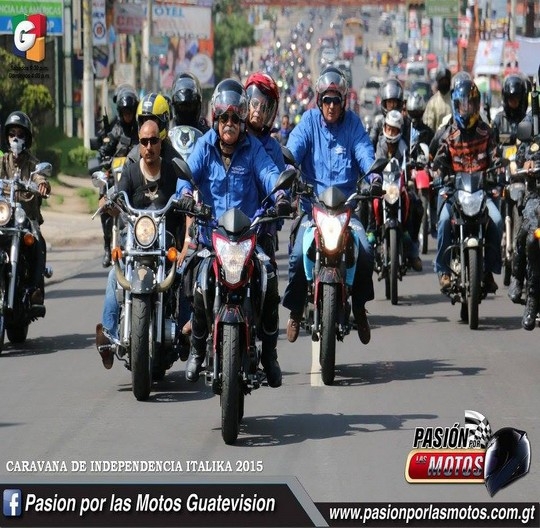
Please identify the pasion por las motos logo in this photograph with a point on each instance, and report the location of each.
(29, 36)
(468, 453)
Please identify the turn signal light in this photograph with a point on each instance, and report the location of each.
(28, 239)
(116, 254)
(172, 253)
(537, 233)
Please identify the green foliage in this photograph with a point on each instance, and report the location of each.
(79, 156)
(231, 31)
(36, 102)
(52, 155)
(11, 90)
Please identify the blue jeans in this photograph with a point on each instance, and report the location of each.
(295, 294)
(493, 234)
(111, 308)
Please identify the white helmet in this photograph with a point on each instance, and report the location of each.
(393, 118)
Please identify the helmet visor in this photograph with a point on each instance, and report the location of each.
(230, 102)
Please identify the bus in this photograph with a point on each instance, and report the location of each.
(353, 28)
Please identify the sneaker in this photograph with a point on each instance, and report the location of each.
(104, 347)
(415, 263)
(36, 297)
(515, 290)
(293, 327)
(362, 325)
(444, 281)
(489, 282)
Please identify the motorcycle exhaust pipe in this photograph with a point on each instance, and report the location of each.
(120, 277)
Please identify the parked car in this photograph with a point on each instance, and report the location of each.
(328, 56)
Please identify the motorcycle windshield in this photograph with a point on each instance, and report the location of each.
(332, 197)
(392, 172)
(469, 181)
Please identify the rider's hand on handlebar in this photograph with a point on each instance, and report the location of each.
(376, 188)
(44, 189)
(283, 207)
(186, 203)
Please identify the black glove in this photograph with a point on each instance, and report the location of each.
(186, 203)
(437, 182)
(283, 207)
(376, 188)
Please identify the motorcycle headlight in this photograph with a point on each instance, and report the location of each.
(145, 231)
(233, 256)
(471, 203)
(330, 227)
(392, 193)
(5, 212)
(20, 215)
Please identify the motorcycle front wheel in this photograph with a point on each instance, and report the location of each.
(328, 310)
(424, 197)
(2, 311)
(473, 286)
(394, 265)
(231, 401)
(141, 364)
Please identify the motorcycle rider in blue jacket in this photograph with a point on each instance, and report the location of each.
(333, 148)
(232, 169)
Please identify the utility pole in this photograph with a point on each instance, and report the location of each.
(68, 74)
(88, 99)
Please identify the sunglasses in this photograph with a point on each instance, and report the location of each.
(328, 100)
(224, 118)
(18, 136)
(151, 140)
(258, 105)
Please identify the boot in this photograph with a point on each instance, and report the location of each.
(271, 367)
(531, 309)
(106, 262)
(196, 359)
(515, 290)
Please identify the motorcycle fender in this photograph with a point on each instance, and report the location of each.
(329, 276)
(143, 280)
(230, 314)
(307, 241)
(472, 242)
(203, 279)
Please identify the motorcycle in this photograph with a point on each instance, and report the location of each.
(391, 212)
(145, 272)
(183, 138)
(469, 215)
(421, 177)
(329, 263)
(234, 279)
(17, 239)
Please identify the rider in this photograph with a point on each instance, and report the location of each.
(333, 148)
(18, 135)
(515, 94)
(469, 145)
(392, 145)
(148, 183)
(187, 102)
(439, 104)
(118, 142)
(232, 169)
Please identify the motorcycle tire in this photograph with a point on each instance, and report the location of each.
(328, 311)
(473, 286)
(424, 197)
(2, 312)
(17, 334)
(394, 265)
(141, 364)
(231, 390)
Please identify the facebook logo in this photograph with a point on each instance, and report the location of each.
(12, 502)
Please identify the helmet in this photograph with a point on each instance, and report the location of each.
(127, 100)
(155, 106)
(331, 79)
(260, 86)
(19, 119)
(515, 86)
(459, 77)
(121, 88)
(186, 99)
(444, 79)
(466, 104)
(393, 118)
(391, 89)
(229, 96)
(507, 458)
(416, 105)
(443, 73)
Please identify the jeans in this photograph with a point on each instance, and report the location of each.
(111, 308)
(493, 236)
(295, 294)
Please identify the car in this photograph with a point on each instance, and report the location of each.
(369, 93)
(345, 67)
(328, 56)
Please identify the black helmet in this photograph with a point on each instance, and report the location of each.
(229, 95)
(416, 105)
(186, 99)
(508, 457)
(127, 100)
(391, 89)
(19, 119)
(465, 104)
(332, 79)
(515, 86)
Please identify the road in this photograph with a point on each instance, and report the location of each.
(346, 442)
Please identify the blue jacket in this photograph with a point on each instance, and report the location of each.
(273, 149)
(337, 154)
(249, 179)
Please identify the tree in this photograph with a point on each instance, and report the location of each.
(12, 83)
(36, 101)
(231, 31)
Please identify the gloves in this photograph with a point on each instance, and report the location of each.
(186, 203)
(376, 188)
(283, 207)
